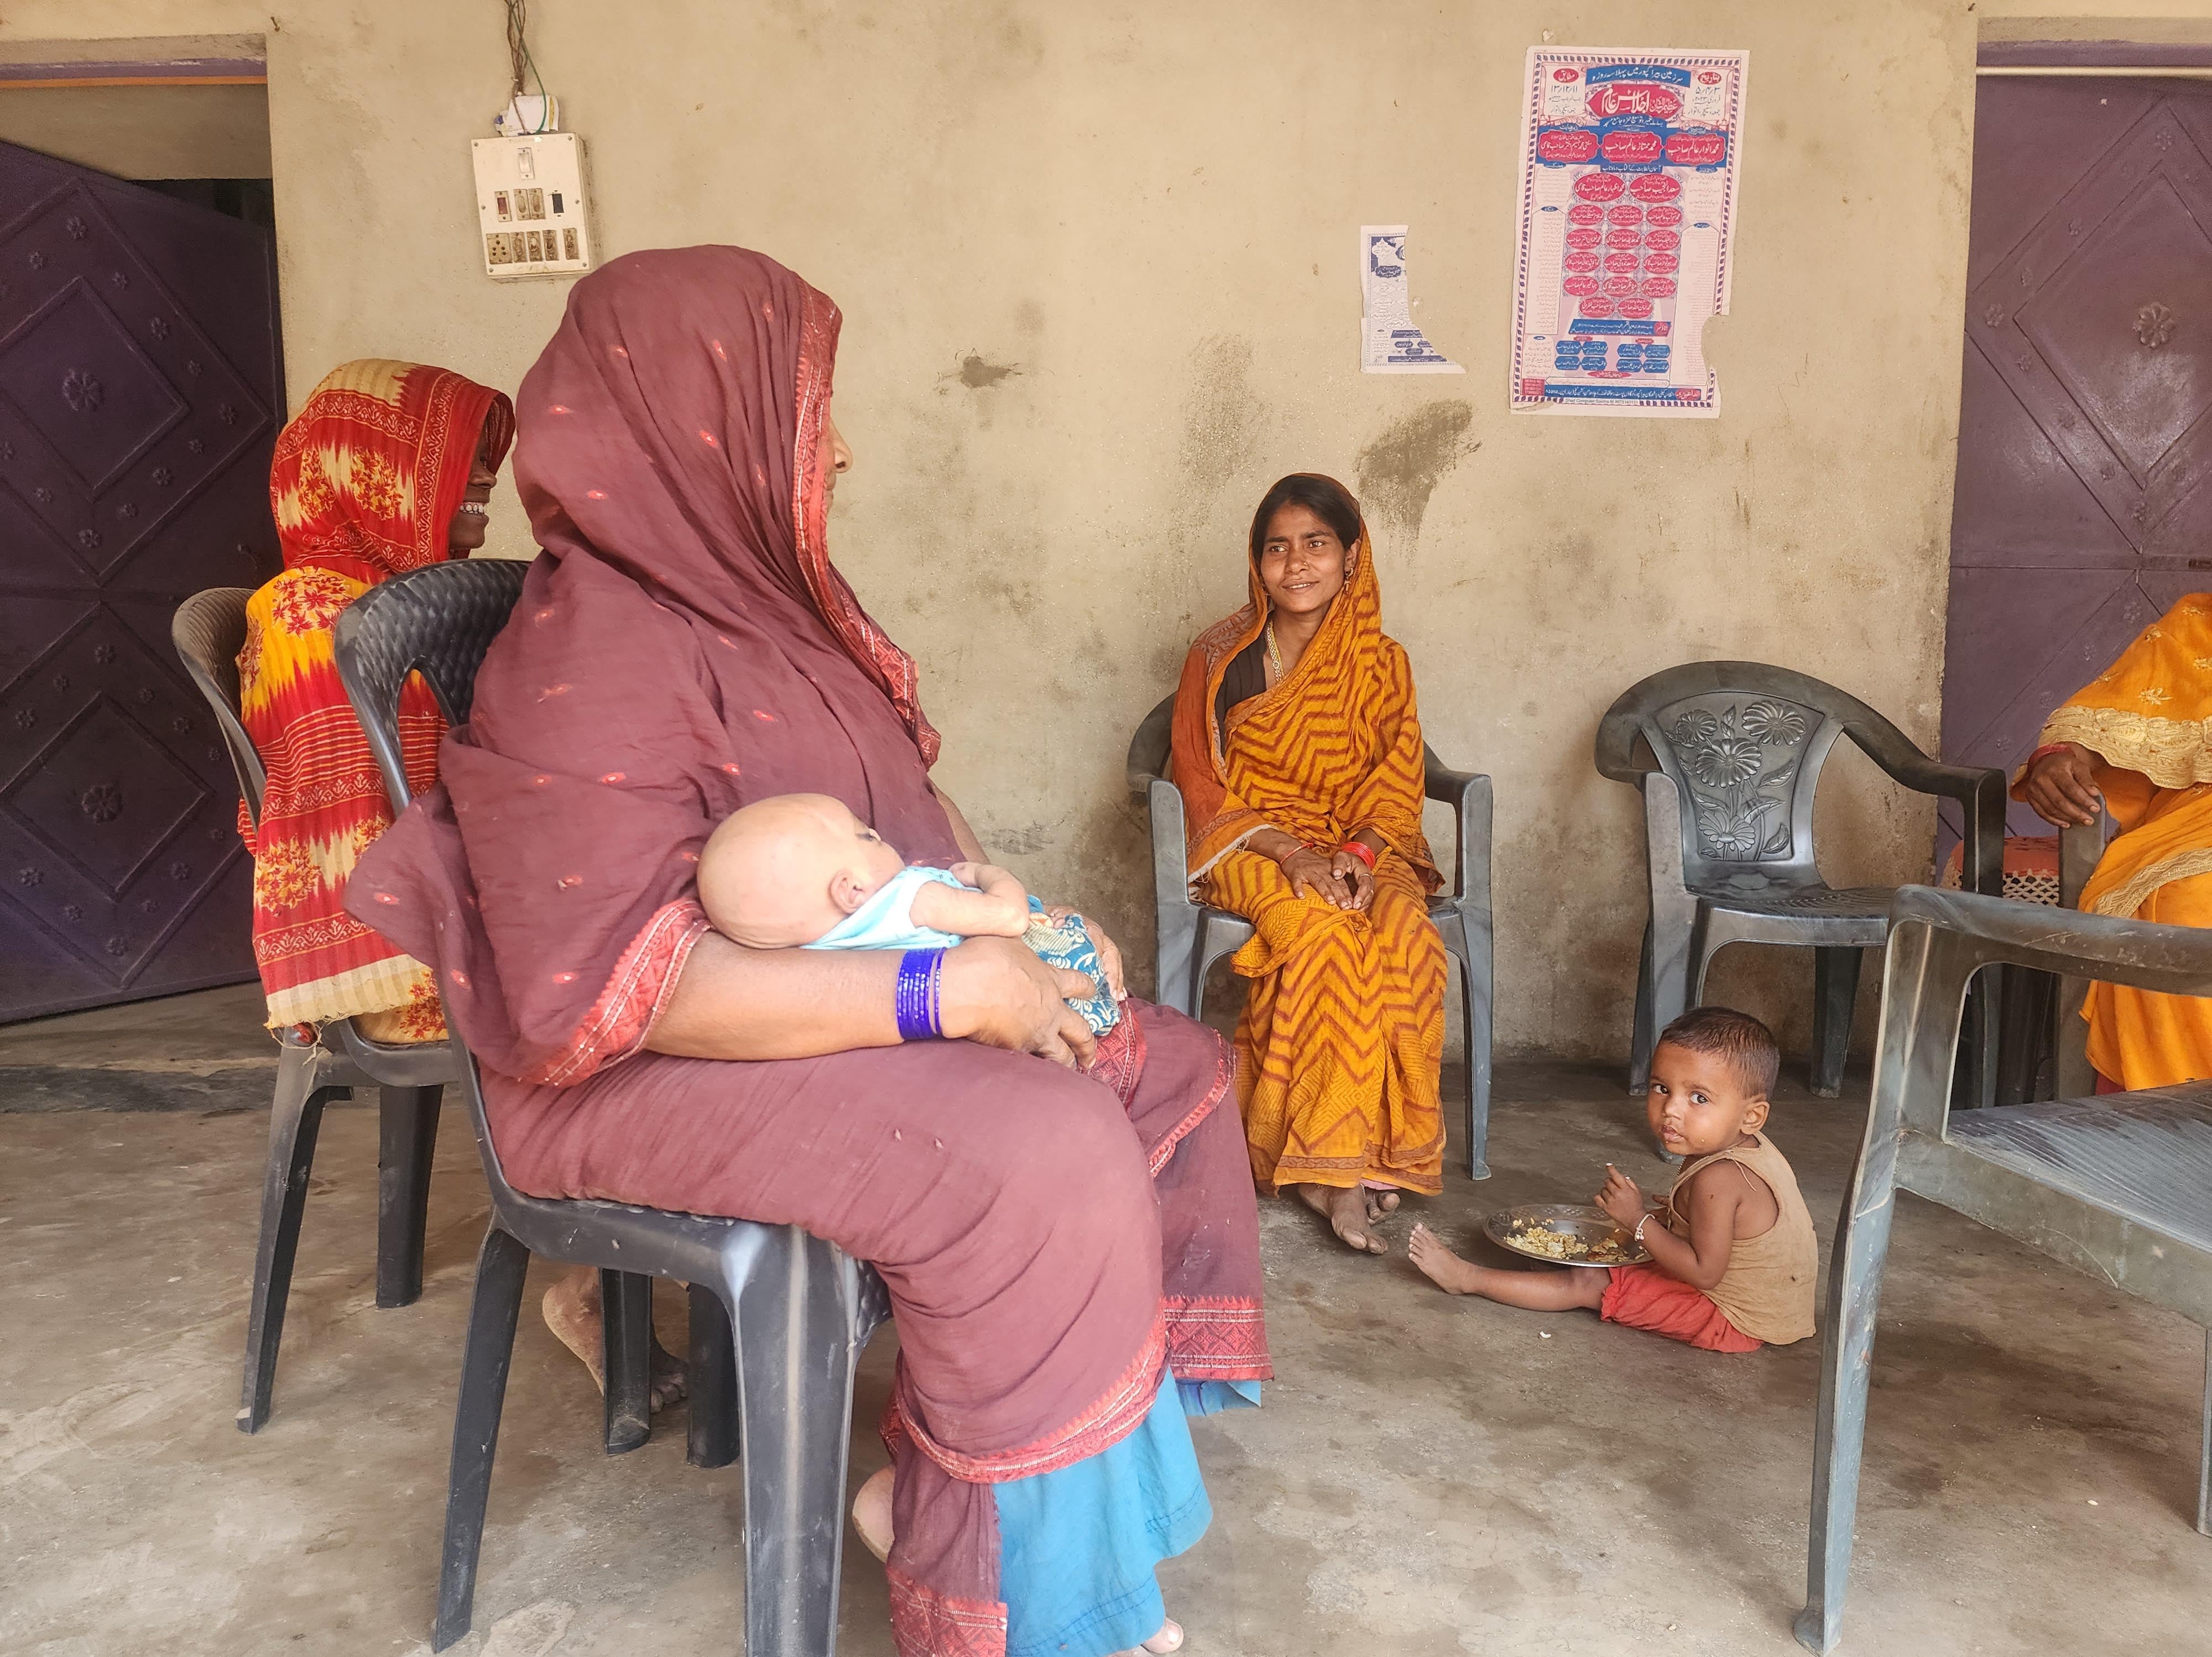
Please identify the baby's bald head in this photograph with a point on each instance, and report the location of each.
(784, 870)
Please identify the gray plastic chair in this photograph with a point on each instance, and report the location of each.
(2118, 1186)
(779, 1318)
(1193, 936)
(1735, 751)
(209, 630)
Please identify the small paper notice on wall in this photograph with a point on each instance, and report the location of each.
(1390, 343)
(1629, 163)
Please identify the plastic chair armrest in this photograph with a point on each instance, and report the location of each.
(2176, 959)
(1470, 796)
(1171, 864)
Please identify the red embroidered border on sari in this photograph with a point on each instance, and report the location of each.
(923, 1620)
(1111, 1417)
(636, 993)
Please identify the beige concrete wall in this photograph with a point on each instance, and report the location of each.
(1098, 269)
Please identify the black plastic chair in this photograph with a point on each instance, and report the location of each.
(209, 630)
(1192, 937)
(779, 1318)
(2118, 1186)
(1735, 751)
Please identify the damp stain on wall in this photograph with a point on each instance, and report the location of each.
(1399, 471)
(978, 373)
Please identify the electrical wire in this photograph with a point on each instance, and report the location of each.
(518, 59)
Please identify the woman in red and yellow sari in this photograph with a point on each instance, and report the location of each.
(1298, 752)
(388, 468)
(2139, 738)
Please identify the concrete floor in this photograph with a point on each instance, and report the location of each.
(1429, 1475)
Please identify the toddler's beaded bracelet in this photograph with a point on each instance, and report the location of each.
(1638, 1239)
(915, 1000)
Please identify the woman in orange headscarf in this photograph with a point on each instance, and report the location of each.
(2138, 740)
(388, 468)
(1298, 752)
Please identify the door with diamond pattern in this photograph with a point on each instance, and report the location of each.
(140, 393)
(2084, 500)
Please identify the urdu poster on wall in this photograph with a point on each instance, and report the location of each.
(1629, 164)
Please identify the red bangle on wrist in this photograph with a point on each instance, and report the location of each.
(1362, 850)
(2049, 748)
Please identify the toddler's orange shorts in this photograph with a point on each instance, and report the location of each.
(1644, 1297)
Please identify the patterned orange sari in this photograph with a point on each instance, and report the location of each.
(365, 484)
(1341, 1044)
(2147, 718)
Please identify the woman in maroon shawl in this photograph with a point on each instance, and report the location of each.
(1061, 1247)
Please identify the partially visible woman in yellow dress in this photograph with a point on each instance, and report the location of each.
(1297, 749)
(2139, 737)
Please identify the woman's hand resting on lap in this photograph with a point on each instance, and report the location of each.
(995, 991)
(1351, 869)
(1314, 875)
(2060, 787)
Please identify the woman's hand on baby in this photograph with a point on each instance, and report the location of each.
(1621, 1199)
(1311, 876)
(1110, 952)
(995, 991)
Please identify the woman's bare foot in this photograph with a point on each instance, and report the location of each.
(1379, 1203)
(1345, 1208)
(1440, 1265)
(872, 1513)
(572, 1312)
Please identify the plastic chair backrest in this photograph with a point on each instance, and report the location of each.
(209, 630)
(438, 622)
(1148, 749)
(1743, 742)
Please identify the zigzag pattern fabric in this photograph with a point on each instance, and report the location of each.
(2147, 719)
(1340, 1047)
(364, 485)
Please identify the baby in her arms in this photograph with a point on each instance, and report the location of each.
(800, 870)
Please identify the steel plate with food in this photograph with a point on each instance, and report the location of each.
(1564, 1234)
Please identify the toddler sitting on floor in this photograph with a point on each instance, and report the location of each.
(1732, 1253)
(800, 870)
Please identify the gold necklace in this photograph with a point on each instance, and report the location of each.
(1274, 655)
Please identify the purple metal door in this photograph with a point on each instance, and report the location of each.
(140, 391)
(2082, 508)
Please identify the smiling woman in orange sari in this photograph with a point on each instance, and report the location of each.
(1298, 752)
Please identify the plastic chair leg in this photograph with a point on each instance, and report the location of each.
(713, 1440)
(1646, 1034)
(296, 1116)
(406, 1141)
(1847, 1365)
(2204, 1450)
(795, 1362)
(1835, 993)
(626, 1351)
(1474, 1002)
(493, 1312)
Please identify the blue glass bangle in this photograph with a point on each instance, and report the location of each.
(915, 1002)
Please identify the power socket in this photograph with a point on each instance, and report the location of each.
(533, 213)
